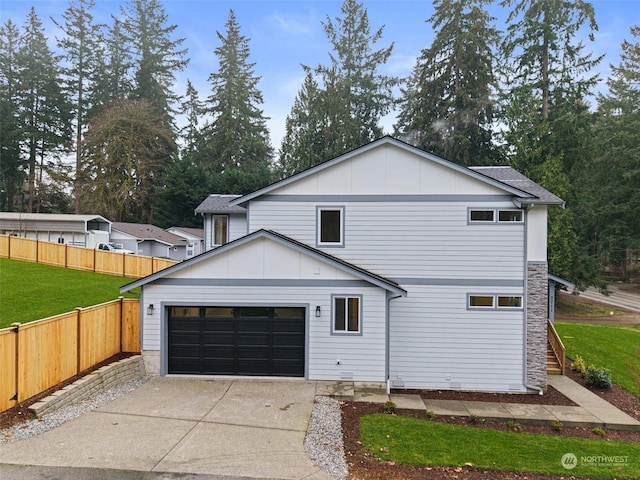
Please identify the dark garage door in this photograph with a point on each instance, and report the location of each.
(237, 341)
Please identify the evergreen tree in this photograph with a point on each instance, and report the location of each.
(340, 105)
(610, 184)
(11, 165)
(237, 137)
(546, 112)
(156, 56)
(192, 108)
(46, 113)
(81, 43)
(448, 105)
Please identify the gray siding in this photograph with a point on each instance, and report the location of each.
(361, 356)
(437, 343)
(413, 239)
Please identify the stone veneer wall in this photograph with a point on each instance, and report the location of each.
(94, 383)
(537, 313)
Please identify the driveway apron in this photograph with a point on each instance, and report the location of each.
(243, 428)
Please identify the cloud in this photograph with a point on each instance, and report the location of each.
(290, 24)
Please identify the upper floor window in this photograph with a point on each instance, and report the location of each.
(494, 301)
(495, 216)
(330, 226)
(220, 233)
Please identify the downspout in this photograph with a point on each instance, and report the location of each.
(386, 362)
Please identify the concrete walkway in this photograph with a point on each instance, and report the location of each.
(592, 411)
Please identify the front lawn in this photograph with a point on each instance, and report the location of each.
(616, 348)
(410, 441)
(31, 291)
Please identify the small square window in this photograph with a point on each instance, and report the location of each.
(510, 302)
(346, 314)
(481, 301)
(510, 216)
(330, 226)
(481, 215)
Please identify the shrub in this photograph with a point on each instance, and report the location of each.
(513, 425)
(579, 366)
(599, 378)
(389, 407)
(431, 414)
(599, 431)
(557, 425)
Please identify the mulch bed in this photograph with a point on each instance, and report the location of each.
(21, 411)
(551, 397)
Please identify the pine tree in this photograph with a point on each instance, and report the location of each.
(156, 56)
(81, 43)
(192, 108)
(448, 104)
(46, 113)
(11, 165)
(237, 137)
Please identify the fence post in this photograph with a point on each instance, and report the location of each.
(78, 337)
(66, 254)
(9, 247)
(37, 249)
(121, 300)
(16, 330)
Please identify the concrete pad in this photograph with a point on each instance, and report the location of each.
(370, 396)
(282, 405)
(338, 390)
(488, 410)
(447, 408)
(407, 401)
(530, 413)
(167, 397)
(241, 451)
(575, 416)
(100, 440)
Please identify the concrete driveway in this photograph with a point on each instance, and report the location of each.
(229, 428)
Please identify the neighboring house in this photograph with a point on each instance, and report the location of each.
(80, 230)
(386, 264)
(194, 238)
(222, 222)
(149, 240)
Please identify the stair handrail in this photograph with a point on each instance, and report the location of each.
(556, 345)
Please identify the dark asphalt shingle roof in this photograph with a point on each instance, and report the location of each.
(145, 231)
(215, 203)
(515, 179)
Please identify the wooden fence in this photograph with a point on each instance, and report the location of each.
(80, 258)
(41, 354)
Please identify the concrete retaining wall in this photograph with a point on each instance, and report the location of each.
(94, 383)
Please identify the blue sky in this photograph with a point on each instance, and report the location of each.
(285, 34)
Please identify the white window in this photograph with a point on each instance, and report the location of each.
(509, 301)
(481, 301)
(494, 301)
(220, 233)
(481, 215)
(330, 226)
(495, 216)
(510, 216)
(346, 314)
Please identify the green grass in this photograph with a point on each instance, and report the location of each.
(569, 306)
(31, 291)
(616, 348)
(421, 442)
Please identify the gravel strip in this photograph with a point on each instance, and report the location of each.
(323, 442)
(51, 420)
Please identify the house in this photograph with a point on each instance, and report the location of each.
(149, 240)
(194, 238)
(384, 265)
(223, 222)
(80, 230)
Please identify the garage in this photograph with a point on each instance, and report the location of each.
(236, 340)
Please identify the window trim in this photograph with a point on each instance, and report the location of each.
(496, 301)
(323, 208)
(333, 315)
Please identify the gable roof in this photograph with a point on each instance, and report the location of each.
(510, 176)
(216, 203)
(523, 196)
(145, 231)
(347, 267)
(190, 231)
(55, 217)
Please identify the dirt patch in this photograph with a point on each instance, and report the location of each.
(621, 315)
(21, 412)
